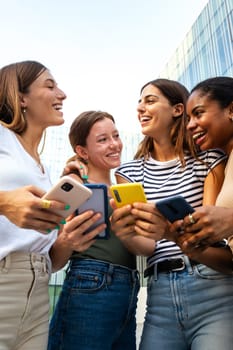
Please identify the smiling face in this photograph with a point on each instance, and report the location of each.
(43, 102)
(155, 113)
(103, 146)
(209, 123)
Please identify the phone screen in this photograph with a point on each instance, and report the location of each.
(98, 202)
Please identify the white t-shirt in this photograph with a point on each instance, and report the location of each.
(17, 169)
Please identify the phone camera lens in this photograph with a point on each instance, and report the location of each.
(67, 187)
(118, 198)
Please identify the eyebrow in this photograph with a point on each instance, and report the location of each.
(150, 95)
(50, 80)
(101, 135)
(193, 110)
(104, 134)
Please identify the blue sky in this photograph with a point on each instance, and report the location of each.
(100, 51)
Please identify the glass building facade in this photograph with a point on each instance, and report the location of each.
(207, 49)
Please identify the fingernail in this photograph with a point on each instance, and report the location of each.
(67, 207)
(63, 222)
(48, 230)
(57, 227)
(85, 177)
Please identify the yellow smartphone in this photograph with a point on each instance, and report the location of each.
(127, 193)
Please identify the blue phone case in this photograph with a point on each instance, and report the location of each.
(98, 202)
(174, 208)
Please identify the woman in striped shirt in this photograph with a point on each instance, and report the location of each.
(189, 301)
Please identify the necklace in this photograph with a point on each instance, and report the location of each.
(29, 150)
(40, 165)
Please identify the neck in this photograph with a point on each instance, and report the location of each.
(30, 144)
(228, 148)
(163, 152)
(99, 176)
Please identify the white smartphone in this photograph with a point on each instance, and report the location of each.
(69, 191)
(98, 202)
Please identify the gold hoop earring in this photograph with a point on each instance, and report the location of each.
(43, 143)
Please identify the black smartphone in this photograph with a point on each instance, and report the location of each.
(174, 208)
(98, 202)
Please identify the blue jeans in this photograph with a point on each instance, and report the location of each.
(96, 309)
(189, 309)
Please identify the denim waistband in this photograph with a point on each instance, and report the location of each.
(104, 266)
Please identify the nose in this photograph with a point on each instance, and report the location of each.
(191, 124)
(140, 107)
(115, 143)
(60, 94)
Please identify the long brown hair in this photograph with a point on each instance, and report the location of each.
(16, 79)
(175, 93)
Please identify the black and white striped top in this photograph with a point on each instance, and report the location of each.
(165, 179)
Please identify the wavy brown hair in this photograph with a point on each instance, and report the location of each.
(15, 79)
(182, 141)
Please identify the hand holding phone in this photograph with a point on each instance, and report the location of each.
(127, 193)
(174, 208)
(98, 202)
(69, 191)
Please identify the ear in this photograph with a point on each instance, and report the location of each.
(231, 108)
(229, 112)
(178, 110)
(23, 102)
(81, 152)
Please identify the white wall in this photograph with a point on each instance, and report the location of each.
(141, 305)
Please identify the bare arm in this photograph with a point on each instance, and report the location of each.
(213, 184)
(211, 222)
(219, 259)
